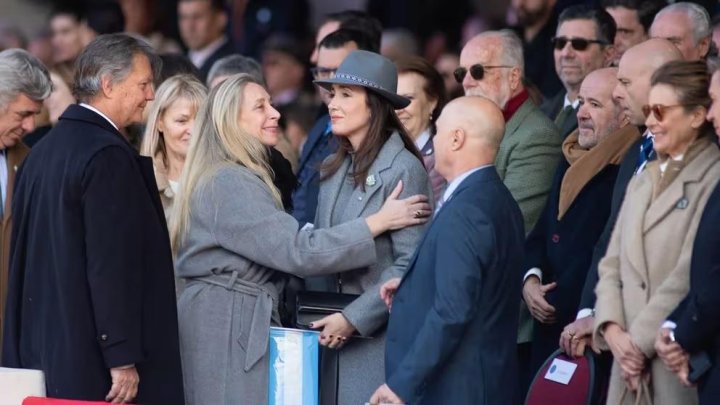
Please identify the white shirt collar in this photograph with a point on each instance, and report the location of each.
(574, 104)
(198, 57)
(422, 139)
(98, 112)
(457, 181)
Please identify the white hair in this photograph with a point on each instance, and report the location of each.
(511, 48)
(22, 73)
(698, 16)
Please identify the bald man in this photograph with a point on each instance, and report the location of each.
(453, 326)
(559, 249)
(636, 67)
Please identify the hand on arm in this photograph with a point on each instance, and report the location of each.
(387, 291)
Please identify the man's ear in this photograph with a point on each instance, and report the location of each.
(515, 79)
(457, 139)
(106, 86)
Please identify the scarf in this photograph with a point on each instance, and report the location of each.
(587, 163)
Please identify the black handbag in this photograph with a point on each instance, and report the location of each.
(313, 305)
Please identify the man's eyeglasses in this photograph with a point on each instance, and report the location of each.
(322, 72)
(477, 71)
(659, 110)
(578, 44)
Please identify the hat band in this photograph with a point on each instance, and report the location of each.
(359, 80)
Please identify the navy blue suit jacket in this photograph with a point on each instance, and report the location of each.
(318, 146)
(698, 315)
(452, 332)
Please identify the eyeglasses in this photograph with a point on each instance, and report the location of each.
(477, 71)
(659, 110)
(578, 44)
(319, 72)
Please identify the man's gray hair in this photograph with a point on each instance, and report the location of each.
(234, 64)
(698, 16)
(22, 73)
(109, 55)
(511, 48)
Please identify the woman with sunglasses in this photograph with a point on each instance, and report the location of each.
(374, 153)
(644, 274)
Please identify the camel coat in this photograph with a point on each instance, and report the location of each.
(645, 272)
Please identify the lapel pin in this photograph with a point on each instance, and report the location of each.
(682, 203)
(370, 181)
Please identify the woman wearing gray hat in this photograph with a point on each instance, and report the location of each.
(374, 153)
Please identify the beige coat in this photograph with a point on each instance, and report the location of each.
(645, 273)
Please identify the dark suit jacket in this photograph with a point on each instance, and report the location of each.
(625, 173)
(698, 315)
(552, 107)
(563, 249)
(91, 273)
(318, 146)
(453, 325)
(226, 49)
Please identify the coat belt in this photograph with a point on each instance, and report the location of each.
(262, 313)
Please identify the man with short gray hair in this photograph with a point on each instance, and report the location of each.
(91, 299)
(687, 26)
(24, 84)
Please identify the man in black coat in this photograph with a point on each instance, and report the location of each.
(559, 249)
(91, 301)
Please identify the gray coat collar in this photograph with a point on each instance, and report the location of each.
(374, 181)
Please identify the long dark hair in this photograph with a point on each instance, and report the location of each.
(383, 122)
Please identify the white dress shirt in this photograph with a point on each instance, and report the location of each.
(91, 108)
(454, 185)
(422, 139)
(3, 179)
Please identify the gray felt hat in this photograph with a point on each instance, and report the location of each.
(372, 71)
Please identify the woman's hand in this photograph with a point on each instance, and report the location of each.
(397, 214)
(630, 358)
(336, 330)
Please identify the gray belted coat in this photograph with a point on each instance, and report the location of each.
(237, 239)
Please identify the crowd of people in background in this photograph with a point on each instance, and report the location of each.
(542, 175)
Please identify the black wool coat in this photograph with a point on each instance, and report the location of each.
(91, 275)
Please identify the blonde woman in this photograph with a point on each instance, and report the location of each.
(167, 134)
(231, 236)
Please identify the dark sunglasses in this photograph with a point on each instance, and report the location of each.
(578, 44)
(477, 71)
(659, 110)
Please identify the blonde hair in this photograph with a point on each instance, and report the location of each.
(218, 140)
(172, 89)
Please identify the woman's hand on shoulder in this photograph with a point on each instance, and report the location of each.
(397, 214)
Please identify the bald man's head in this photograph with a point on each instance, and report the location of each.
(636, 67)
(469, 132)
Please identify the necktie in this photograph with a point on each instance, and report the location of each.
(647, 153)
(564, 114)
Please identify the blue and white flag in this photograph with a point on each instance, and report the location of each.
(294, 357)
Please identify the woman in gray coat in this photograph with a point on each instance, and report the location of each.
(231, 236)
(375, 153)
